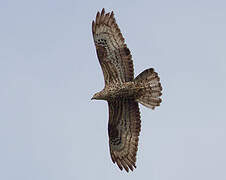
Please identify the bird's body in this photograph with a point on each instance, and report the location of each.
(129, 89)
(122, 91)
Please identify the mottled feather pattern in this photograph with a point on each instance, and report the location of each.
(112, 52)
(123, 128)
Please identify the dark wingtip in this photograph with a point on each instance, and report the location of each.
(112, 14)
(103, 11)
(93, 26)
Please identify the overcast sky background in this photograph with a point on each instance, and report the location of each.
(51, 130)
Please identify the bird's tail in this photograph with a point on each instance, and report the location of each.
(151, 88)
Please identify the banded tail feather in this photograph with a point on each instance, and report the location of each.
(151, 92)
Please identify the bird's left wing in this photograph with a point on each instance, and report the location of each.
(114, 56)
(123, 130)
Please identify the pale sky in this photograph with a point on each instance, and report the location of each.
(51, 130)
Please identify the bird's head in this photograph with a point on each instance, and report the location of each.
(98, 96)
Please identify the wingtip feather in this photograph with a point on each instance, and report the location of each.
(98, 18)
(102, 12)
(93, 27)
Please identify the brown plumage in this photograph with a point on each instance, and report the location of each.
(122, 91)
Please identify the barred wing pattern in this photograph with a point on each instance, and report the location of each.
(123, 129)
(114, 56)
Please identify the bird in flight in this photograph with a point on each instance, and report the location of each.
(122, 91)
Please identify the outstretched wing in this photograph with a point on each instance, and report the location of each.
(114, 56)
(123, 130)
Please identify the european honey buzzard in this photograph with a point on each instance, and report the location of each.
(122, 91)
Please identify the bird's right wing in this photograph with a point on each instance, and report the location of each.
(123, 130)
(114, 56)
